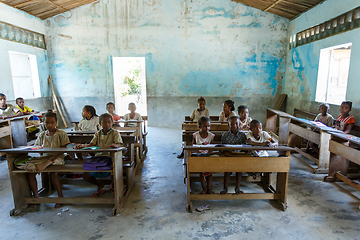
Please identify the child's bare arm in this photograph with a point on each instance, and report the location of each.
(79, 146)
(115, 145)
(267, 143)
(348, 128)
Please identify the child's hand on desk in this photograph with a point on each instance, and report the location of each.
(115, 145)
(79, 146)
(267, 143)
(273, 145)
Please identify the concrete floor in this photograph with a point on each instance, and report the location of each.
(156, 208)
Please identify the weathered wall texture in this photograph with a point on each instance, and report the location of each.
(24, 20)
(303, 62)
(217, 49)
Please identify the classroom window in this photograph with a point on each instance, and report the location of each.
(25, 75)
(333, 74)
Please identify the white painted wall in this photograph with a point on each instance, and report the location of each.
(24, 20)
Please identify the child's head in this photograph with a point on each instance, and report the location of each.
(228, 106)
(204, 124)
(324, 108)
(201, 103)
(106, 121)
(345, 107)
(2, 100)
(234, 123)
(256, 127)
(243, 112)
(88, 112)
(110, 107)
(50, 120)
(132, 107)
(20, 102)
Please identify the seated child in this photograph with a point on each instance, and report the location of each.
(201, 111)
(105, 138)
(90, 121)
(234, 137)
(245, 120)
(345, 121)
(258, 137)
(228, 111)
(110, 107)
(204, 137)
(132, 115)
(7, 110)
(324, 116)
(27, 111)
(51, 138)
(326, 119)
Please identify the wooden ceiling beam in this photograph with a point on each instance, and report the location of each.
(272, 5)
(23, 3)
(57, 5)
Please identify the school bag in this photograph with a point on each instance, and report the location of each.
(33, 164)
(98, 163)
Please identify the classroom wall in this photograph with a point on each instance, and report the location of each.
(217, 49)
(23, 20)
(303, 62)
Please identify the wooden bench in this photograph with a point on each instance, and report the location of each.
(277, 122)
(21, 191)
(267, 165)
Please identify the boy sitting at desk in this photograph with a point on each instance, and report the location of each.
(27, 111)
(107, 137)
(132, 115)
(233, 137)
(258, 137)
(7, 110)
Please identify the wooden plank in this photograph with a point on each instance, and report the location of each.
(305, 133)
(245, 196)
(304, 113)
(308, 156)
(5, 131)
(60, 150)
(280, 101)
(56, 101)
(18, 132)
(67, 168)
(324, 152)
(238, 164)
(345, 151)
(213, 127)
(283, 130)
(69, 200)
(271, 121)
(347, 180)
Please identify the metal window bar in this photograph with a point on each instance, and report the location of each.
(21, 35)
(345, 22)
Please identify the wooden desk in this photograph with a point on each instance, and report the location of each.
(212, 118)
(278, 122)
(21, 190)
(192, 126)
(122, 132)
(341, 151)
(5, 135)
(302, 128)
(268, 165)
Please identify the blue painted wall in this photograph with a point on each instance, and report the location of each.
(217, 49)
(303, 62)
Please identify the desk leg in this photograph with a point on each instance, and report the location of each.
(283, 130)
(324, 153)
(337, 164)
(18, 132)
(189, 202)
(281, 187)
(19, 185)
(118, 183)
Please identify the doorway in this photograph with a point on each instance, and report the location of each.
(130, 84)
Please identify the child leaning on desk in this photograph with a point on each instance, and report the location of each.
(258, 137)
(107, 137)
(233, 137)
(51, 138)
(7, 110)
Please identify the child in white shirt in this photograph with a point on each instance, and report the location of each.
(132, 115)
(7, 110)
(228, 111)
(90, 121)
(201, 111)
(258, 137)
(245, 120)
